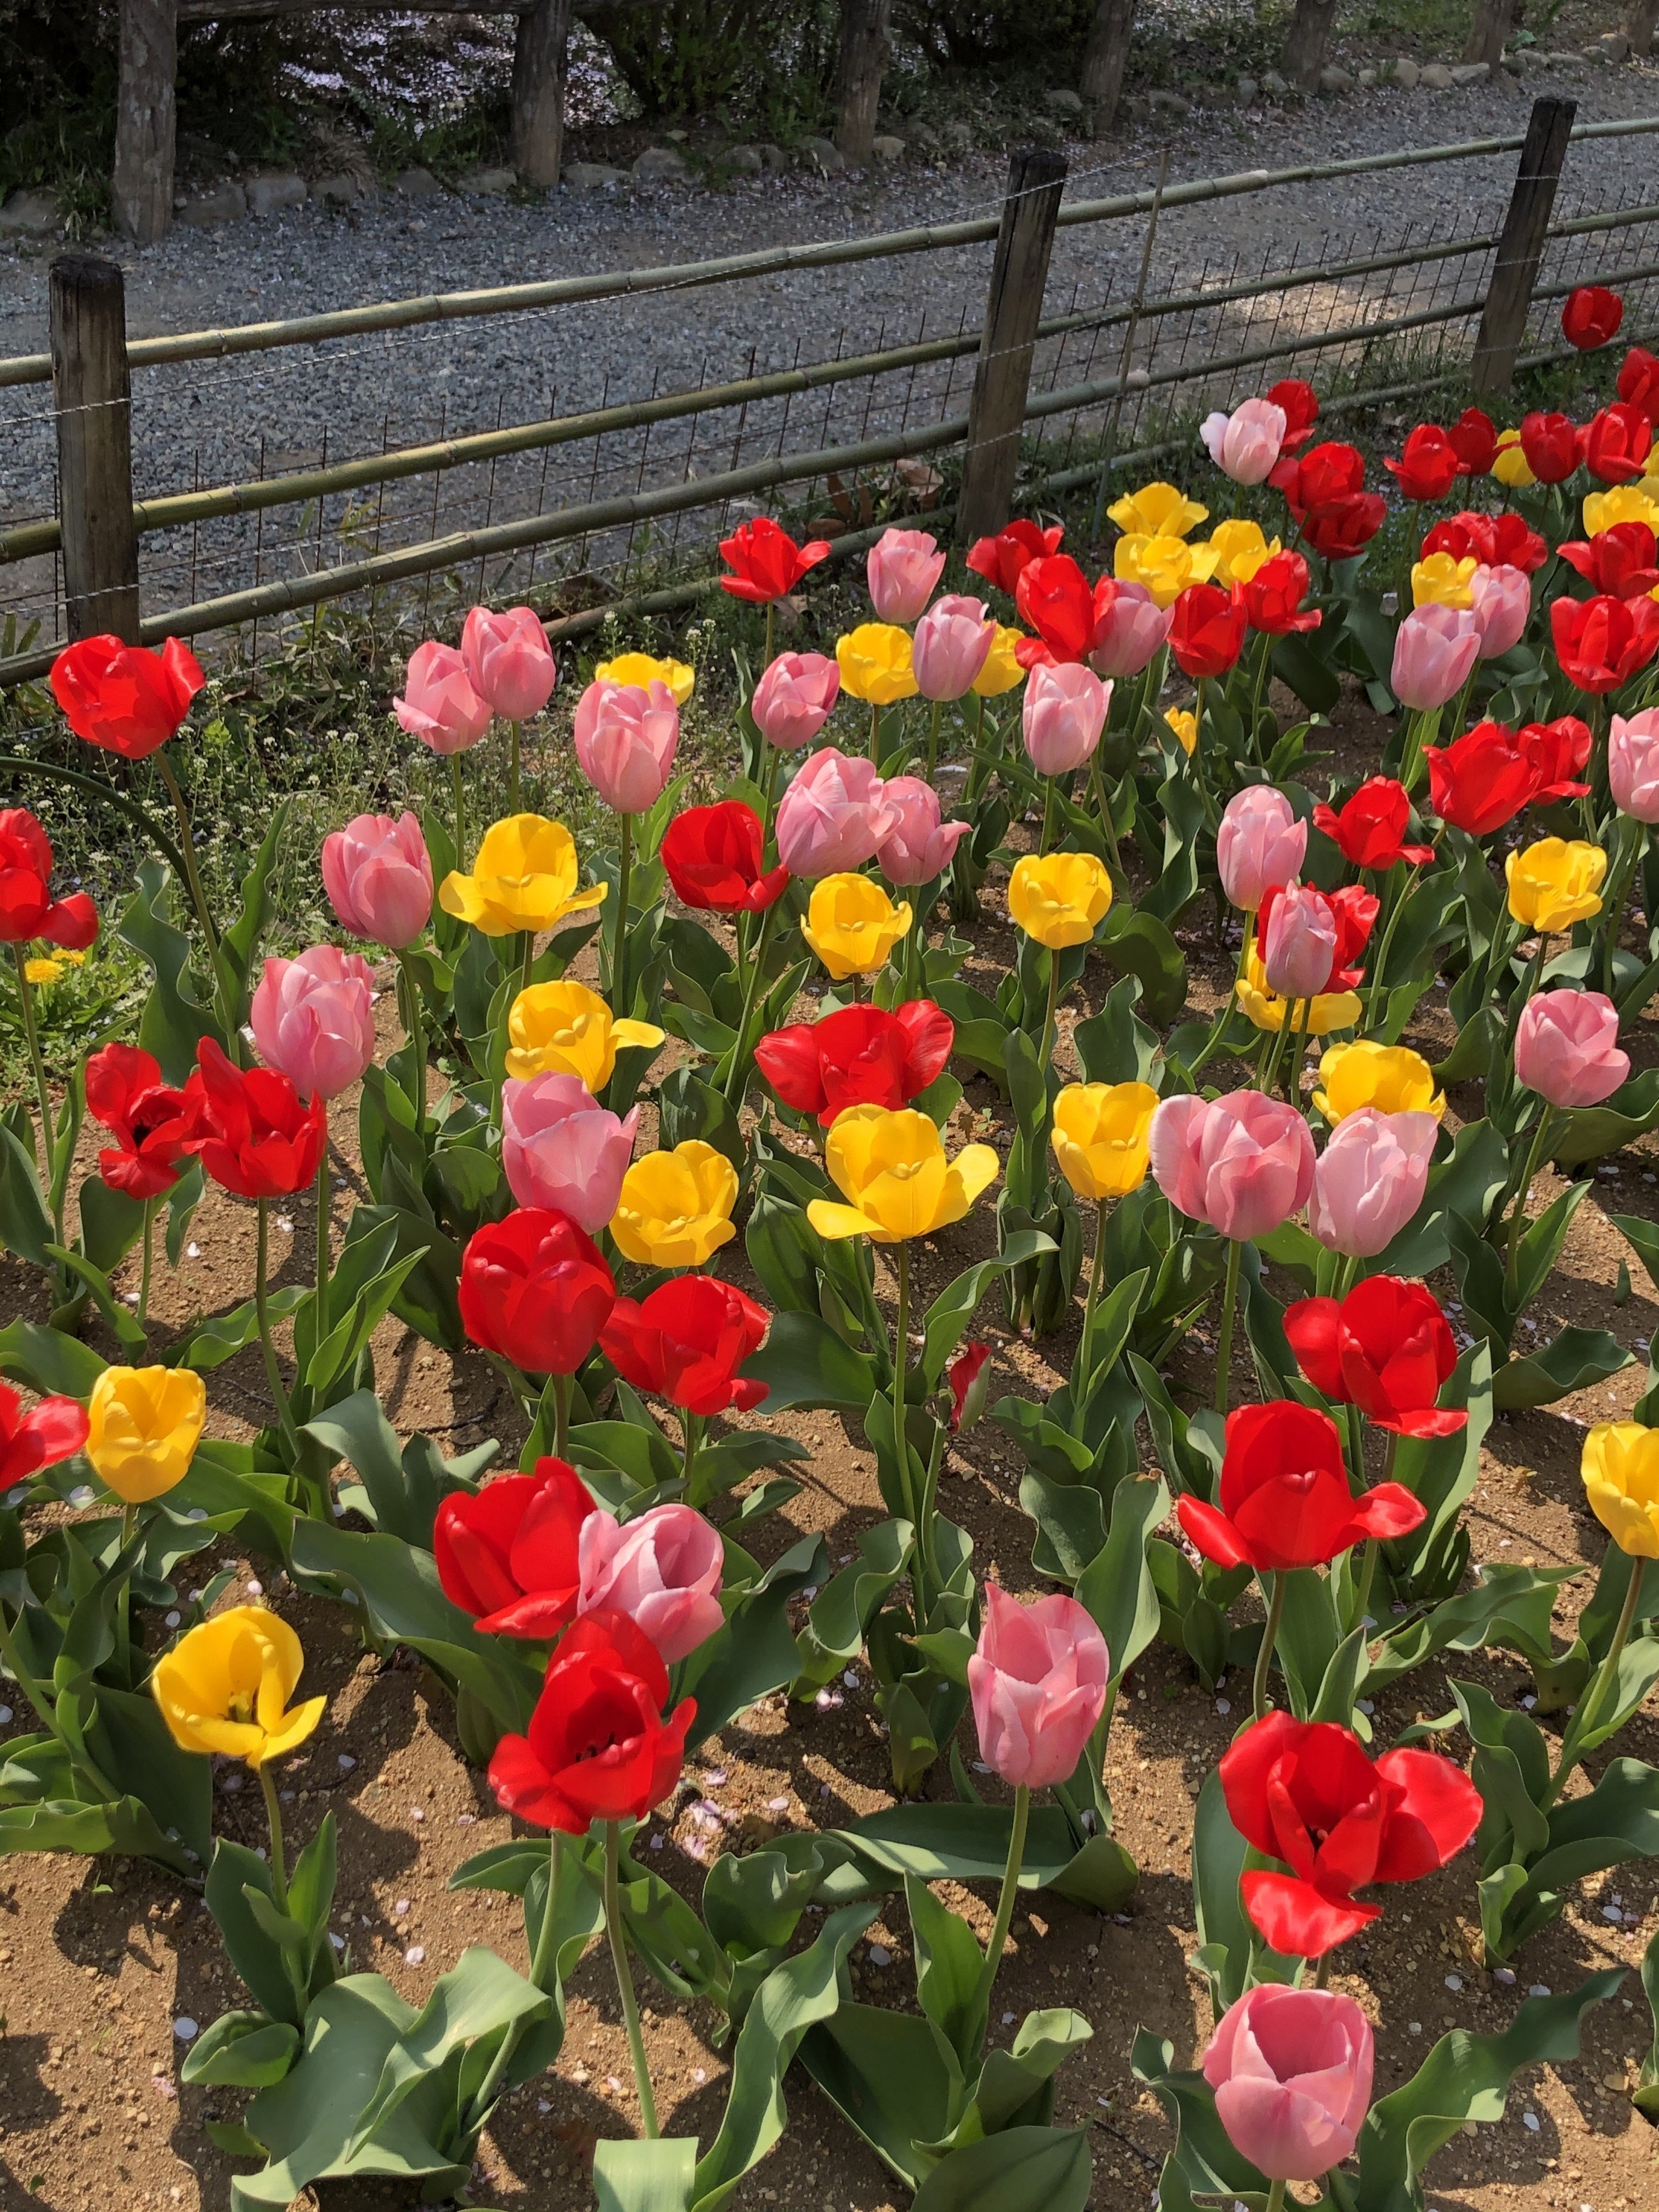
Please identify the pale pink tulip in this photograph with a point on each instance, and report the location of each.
(1434, 649)
(1566, 1048)
(793, 700)
(313, 1019)
(1633, 764)
(562, 1150)
(1129, 628)
(626, 739)
(952, 643)
(1037, 1680)
(1242, 1163)
(662, 1570)
(903, 568)
(438, 706)
(1371, 1179)
(508, 661)
(1245, 444)
(1502, 609)
(1064, 714)
(1259, 843)
(1300, 950)
(835, 816)
(1291, 2072)
(377, 876)
(919, 846)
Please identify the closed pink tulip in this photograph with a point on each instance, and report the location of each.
(919, 846)
(1291, 2072)
(1566, 1048)
(792, 700)
(1300, 943)
(1038, 1682)
(439, 706)
(1371, 1179)
(1064, 714)
(1259, 843)
(1434, 649)
(626, 740)
(1502, 609)
(377, 876)
(1633, 764)
(902, 568)
(1245, 444)
(561, 1150)
(835, 816)
(952, 643)
(508, 662)
(313, 1019)
(1130, 627)
(662, 1570)
(1242, 1163)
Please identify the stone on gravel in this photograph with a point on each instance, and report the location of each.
(415, 184)
(490, 182)
(959, 133)
(1247, 88)
(274, 189)
(339, 191)
(1467, 73)
(1560, 59)
(743, 161)
(1367, 76)
(592, 176)
(1063, 98)
(1333, 79)
(1274, 85)
(226, 202)
(887, 149)
(1407, 73)
(823, 155)
(32, 213)
(661, 165)
(1170, 103)
(776, 159)
(1434, 77)
(1613, 46)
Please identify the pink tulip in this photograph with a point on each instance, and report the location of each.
(835, 816)
(1259, 843)
(508, 662)
(792, 701)
(626, 739)
(1566, 1048)
(1291, 2072)
(1129, 628)
(1242, 1163)
(1434, 649)
(562, 1150)
(438, 706)
(662, 1570)
(1039, 1683)
(921, 846)
(903, 568)
(313, 1019)
(1502, 609)
(1301, 948)
(1633, 764)
(1065, 712)
(1371, 1179)
(377, 876)
(952, 643)
(1245, 444)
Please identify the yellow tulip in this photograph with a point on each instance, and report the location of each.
(891, 1170)
(874, 661)
(640, 668)
(1101, 1135)
(1060, 898)
(42, 970)
(675, 1208)
(143, 1426)
(225, 1687)
(1241, 547)
(1555, 883)
(1184, 723)
(1390, 1077)
(1620, 1468)
(1166, 566)
(1627, 503)
(1443, 581)
(1158, 510)
(1001, 671)
(852, 924)
(565, 1029)
(1331, 1009)
(524, 877)
(1510, 466)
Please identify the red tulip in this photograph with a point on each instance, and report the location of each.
(1590, 316)
(1496, 541)
(716, 860)
(1056, 598)
(1274, 597)
(1207, 631)
(1301, 409)
(1560, 752)
(1385, 1348)
(1356, 910)
(1369, 828)
(1303, 1792)
(1330, 472)
(126, 1093)
(766, 562)
(861, 1056)
(1617, 442)
(599, 1747)
(1003, 559)
(686, 1342)
(1475, 437)
(249, 1128)
(1549, 445)
(1601, 643)
(509, 1555)
(28, 908)
(1481, 781)
(969, 1383)
(1619, 563)
(1638, 381)
(1340, 528)
(1429, 465)
(535, 1289)
(124, 697)
(54, 1429)
(1285, 1498)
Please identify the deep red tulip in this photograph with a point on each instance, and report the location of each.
(1206, 630)
(249, 1128)
(1327, 472)
(1590, 316)
(716, 861)
(1475, 437)
(1549, 445)
(1303, 1792)
(54, 1429)
(1301, 408)
(510, 1553)
(1367, 829)
(1498, 540)
(1617, 442)
(765, 561)
(686, 1342)
(1429, 465)
(1560, 752)
(535, 1289)
(126, 1093)
(124, 697)
(1340, 528)
(1356, 910)
(1274, 597)
(1285, 1498)
(1620, 562)
(1003, 559)
(861, 1056)
(1638, 381)
(28, 908)
(1481, 781)
(599, 1747)
(1385, 1348)
(1057, 600)
(1601, 643)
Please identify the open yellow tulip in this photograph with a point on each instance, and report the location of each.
(1241, 547)
(852, 924)
(1060, 898)
(1101, 1137)
(1510, 466)
(891, 1167)
(875, 663)
(675, 1208)
(225, 1687)
(643, 670)
(565, 1029)
(1184, 722)
(1555, 883)
(1625, 502)
(1390, 1077)
(1001, 671)
(524, 877)
(1158, 510)
(1442, 580)
(1620, 1470)
(1331, 1009)
(143, 1426)
(1165, 565)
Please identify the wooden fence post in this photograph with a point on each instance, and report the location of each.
(1306, 40)
(538, 55)
(866, 44)
(1036, 178)
(141, 185)
(1521, 248)
(1489, 31)
(1104, 59)
(94, 399)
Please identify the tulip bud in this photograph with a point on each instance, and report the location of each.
(1566, 1048)
(313, 1019)
(1434, 650)
(1259, 843)
(1245, 444)
(1037, 1680)
(438, 705)
(1299, 942)
(793, 700)
(1291, 2071)
(952, 642)
(969, 1377)
(508, 662)
(1065, 712)
(903, 568)
(626, 739)
(1633, 764)
(1501, 603)
(1370, 1179)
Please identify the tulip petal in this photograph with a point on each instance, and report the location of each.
(1388, 1509)
(837, 1221)
(1296, 1917)
(1212, 1533)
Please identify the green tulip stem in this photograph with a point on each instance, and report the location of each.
(1224, 1353)
(932, 738)
(1628, 847)
(1047, 837)
(42, 1092)
(1356, 1445)
(737, 1078)
(1006, 1900)
(1322, 1972)
(1048, 1018)
(1104, 804)
(512, 768)
(900, 1441)
(1276, 2195)
(415, 1025)
(124, 1602)
(324, 1252)
(103, 1790)
(273, 1815)
(458, 790)
(1266, 655)
(541, 1965)
(1607, 1675)
(1517, 1219)
(690, 1440)
(619, 943)
(1269, 1637)
(224, 990)
(1081, 1395)
(774, 762)
(875, 736)
(771, 620)
(562, 1416)
(150, 1204)
(1379, 964)
(625, 1981)
(262, 1310)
